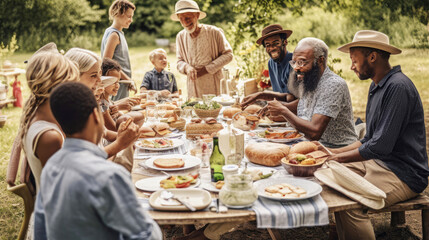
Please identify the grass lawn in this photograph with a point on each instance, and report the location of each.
(414, 62)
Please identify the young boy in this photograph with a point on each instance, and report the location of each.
(83, 196)
(158, 79)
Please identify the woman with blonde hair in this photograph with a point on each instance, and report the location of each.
(39, 131)
(89, 65)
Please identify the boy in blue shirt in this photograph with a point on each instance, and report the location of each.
(158, 79)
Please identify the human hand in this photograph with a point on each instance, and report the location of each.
(132, 87)
(201, 71)
(124, 104)
(113, 109)
(127, 135)
(164, 93)
(192, 73)
(250, 99)
(276, 110)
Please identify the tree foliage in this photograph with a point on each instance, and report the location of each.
(35, 22)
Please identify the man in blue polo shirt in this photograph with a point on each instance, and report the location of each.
(392, 155)
(274, 39)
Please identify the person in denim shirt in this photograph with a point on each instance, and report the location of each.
(158, 79)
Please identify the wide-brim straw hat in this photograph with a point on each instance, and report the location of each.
(184, 6)
(371, 39)
(272, 30)
(108, 80)
(373, 196)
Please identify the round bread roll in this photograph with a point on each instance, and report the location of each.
(252, 109)
(146, 132)
(229, 112)
(303, 148)
(169, 162)
(266, 153)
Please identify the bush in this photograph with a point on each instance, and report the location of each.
(140, 39)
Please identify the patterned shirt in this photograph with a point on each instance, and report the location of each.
(154, 80)
(331, 98)
(83, 196)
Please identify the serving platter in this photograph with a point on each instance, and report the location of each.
(312, 188)
(152, 184)
(198, 198)
(190, 162)
(176, 143)
(280, 140)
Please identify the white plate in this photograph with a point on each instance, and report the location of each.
(152, 184)
(273, 124)
(285, 140)
(198, 198)
(210, 187)
(168, 135)
(176, 143)
(190, 162)
(312, 188)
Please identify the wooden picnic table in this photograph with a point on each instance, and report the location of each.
(336, 202)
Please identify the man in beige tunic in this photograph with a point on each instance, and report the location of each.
(202, 50)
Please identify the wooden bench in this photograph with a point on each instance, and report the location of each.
(397, 212)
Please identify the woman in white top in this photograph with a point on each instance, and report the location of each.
(40, 133)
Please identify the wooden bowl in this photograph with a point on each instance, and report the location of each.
(300, 170)
(201, 113)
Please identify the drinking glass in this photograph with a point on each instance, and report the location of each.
(207, 98)
(151, 96)
(234, 158)
(161, 111)
(187, 114)
(150, 114)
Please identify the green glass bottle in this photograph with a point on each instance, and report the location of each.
(217, 160)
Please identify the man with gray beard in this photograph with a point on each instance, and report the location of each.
(324, 109)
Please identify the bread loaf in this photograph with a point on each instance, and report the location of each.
(252, 109)
(197, 129)
(303, 148)
(266, 153)
(229, 112)
(169, 162)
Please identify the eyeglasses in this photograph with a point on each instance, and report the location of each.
(299, 63)
(273, 45)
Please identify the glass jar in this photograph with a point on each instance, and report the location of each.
(238, 191)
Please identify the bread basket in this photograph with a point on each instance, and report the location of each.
(300, 170)
(202, 113)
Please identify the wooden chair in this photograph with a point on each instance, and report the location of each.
(25, 188)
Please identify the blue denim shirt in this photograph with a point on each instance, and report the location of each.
(395, 129)
(154, 80)
(83, 196)
(279, 73)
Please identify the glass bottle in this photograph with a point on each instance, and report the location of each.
(217, 160)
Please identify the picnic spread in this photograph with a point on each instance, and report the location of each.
(272, 182)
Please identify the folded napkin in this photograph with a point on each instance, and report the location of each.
(291, 214)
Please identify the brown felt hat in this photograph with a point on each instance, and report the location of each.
(272, 30)
(370, 39)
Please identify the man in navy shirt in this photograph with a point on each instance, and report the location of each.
(274, 39)
(392, 155)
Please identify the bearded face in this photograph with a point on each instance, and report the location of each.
(306, 82)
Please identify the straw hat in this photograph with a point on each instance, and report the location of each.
(272, 30)
(108, 80)
(363, 191)
(184, 6)
(371, 39)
